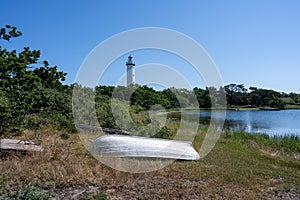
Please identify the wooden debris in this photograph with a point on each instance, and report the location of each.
(19, 145)
(102, 129)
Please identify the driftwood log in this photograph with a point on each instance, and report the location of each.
(19, 145)
(102, 129)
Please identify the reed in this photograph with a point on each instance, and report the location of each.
(285, 143)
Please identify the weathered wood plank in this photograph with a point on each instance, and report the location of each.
(19, 145)
(102, 129)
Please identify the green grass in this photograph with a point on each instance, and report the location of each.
(94, 196)
(65, 135)
(242, 159)
(292, 106)
(29, 192)
(286, 143)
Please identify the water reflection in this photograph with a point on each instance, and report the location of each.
(284, 122)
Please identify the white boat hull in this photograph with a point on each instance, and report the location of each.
(141, 147)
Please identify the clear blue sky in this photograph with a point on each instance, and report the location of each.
(255, 42)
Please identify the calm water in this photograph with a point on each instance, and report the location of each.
(283, 122)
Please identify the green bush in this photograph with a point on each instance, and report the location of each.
(164, 133)
(99, 196)
(5, 113)
(32, 193)
(33, 121)
(65, 136)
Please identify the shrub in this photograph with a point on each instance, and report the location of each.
(65, 136)
(33, 121)
(5, 113)
(99, 196)
(164, 133)
(32, 193)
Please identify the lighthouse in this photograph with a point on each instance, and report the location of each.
(130, 71)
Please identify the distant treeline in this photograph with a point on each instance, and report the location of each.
(238, 95)
(32, 94)
(232, 94)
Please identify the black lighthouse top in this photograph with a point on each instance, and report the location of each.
(130, 61)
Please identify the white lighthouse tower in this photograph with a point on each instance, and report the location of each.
(130, 71)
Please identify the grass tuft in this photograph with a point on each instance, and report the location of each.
(285, 144)
(94, 196)
(31, 192)
(65, 135)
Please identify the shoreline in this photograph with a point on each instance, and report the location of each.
(232, 109)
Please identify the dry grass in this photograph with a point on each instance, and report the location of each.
(233, 170)
(63, 162)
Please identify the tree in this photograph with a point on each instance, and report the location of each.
(172, 101)
(9, 32)
(5, 112)
(27, 84)
(263, 97)
(236, 94)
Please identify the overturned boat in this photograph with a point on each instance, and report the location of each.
(124, 146)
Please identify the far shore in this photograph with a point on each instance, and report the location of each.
(232, 108)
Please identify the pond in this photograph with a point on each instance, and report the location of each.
(282, 122)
